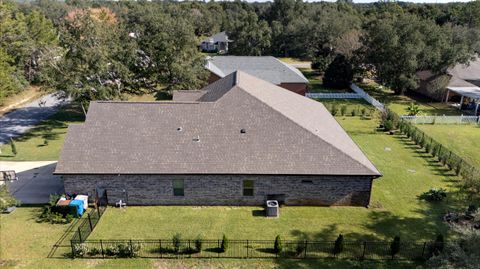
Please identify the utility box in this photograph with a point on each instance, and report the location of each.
(272, 208)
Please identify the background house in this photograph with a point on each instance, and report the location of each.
(264, 67)
(216, 43)
(243, 141)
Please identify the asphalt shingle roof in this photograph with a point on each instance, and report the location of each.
(264, 67)
(285, 133)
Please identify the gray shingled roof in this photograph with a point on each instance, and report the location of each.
(285, 133)
(264, 67)
(218, 37)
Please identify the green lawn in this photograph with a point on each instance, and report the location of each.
(44, 141)
(316, 83)
(399, 103)
(25, 243)
(461, 139)
(351, 105)
(395, 208)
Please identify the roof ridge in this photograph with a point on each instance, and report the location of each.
(309, 131)
(165, 102)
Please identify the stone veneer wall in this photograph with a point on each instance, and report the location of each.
(225, 189)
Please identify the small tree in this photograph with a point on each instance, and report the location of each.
(339, 73)
(177, 242)
(395, 246)
(343, 110)
(438, 245)
(278, 246)
(13, 146)
(224, 245)
(334, 109)
(338, 248)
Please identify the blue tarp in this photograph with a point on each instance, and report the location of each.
(78, 204)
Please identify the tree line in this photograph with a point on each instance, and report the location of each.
(96, 50)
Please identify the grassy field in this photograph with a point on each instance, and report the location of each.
(395, 209)
(461, 139)
(357, 106)
(23, 97)
(44, 141)
(290, 60)
(399, 103)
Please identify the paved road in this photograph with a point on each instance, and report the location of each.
(21, 120)
(35, 181)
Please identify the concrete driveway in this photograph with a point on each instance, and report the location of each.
(22, 119)
(35, 181)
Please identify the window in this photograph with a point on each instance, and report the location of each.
(248, 188)
(178, 186)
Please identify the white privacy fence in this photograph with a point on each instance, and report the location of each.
(374, 102)
(442, 119)
(331, 95)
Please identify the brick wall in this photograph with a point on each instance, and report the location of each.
(300, 88)
(225, 189)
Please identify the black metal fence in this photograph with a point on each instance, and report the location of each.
(104, 249)
(444, 155)
(88, 224)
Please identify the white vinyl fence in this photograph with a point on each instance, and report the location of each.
(331, 95)
(442, 119)
(374, 102)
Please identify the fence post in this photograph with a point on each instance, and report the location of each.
(247, 249)
(98, 213)
(189, 249)
(131, 248)
(364, 249)
(423, 250)
(160, 249)
(218, 248)
(101, 246)
(73, 249)
(305, 251)
(90, 222)
(79, 234)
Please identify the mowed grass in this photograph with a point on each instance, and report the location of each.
(24, 243)
(395, 207)
(400, 103)
(461, 139)
(44, 141)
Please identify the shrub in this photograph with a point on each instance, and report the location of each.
(127, 250)
(6, 199)
(388, 125)
(224, 245)
(334, 109)
(343, 110)
(364, 112)
(434, 195)
(338, 248)
(354, 112)
(93, 252)
(198, 244)
(428, 147)
(278, 246)
(395, 246)
(111, 251)
(45, 142)
(413, 109)
(80, 250)
(177, 242)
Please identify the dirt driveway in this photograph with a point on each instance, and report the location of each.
(35, 181)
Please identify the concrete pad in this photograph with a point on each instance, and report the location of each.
(35, 181)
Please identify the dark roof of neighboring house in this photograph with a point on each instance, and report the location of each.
(284, 133)
(462, 75)
(264, 67)
(218, 37)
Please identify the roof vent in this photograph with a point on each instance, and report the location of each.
(196, 139)
(179, 129)
(242, 131)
